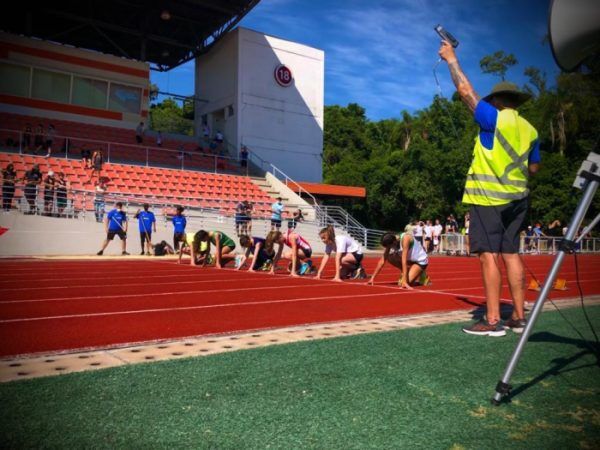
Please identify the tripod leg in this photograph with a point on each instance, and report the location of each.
(503, 386)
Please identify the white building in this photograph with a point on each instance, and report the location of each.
(266, 93)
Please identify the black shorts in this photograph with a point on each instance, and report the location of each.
(496, 229)
(358, 257)
(111, 234)
(276, 223)
(307, 252)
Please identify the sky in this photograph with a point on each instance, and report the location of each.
(381, 53)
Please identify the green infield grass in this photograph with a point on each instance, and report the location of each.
(424, 388)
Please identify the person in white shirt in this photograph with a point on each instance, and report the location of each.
(428, 232)
(348, 255)
(437, 233)
(408, 255)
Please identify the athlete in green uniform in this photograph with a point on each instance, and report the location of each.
(224, 246)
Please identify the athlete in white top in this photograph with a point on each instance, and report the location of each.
(348, 255)
(408, 255)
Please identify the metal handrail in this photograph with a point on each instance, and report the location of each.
(147, 149)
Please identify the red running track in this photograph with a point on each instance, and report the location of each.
(57, 305)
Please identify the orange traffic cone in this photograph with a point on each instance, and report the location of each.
(560, 284)
(533, 285)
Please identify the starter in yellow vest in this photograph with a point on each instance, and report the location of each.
(499, 176)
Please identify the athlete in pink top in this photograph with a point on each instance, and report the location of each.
(300, 248)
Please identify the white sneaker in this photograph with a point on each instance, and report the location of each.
(238, 261)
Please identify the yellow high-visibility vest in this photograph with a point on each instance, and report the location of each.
(499, 176)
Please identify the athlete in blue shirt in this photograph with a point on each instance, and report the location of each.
(179, 223)
(115, 222)
(146, 222)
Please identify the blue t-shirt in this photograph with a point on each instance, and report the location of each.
(116, 219)
(145, 221)
(277, 209)
(179, 224)
(486, 117)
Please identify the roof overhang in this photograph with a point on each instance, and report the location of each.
(332, 190)
(165, 34)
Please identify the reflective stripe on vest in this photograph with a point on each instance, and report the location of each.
(499, 176)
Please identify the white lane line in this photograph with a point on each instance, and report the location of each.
(108, 284)
(159, 294)
(187, 308)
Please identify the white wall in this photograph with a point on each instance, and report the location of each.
(282, 125)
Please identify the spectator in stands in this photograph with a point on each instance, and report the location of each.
(206, 132)
(99, 200)
(451, 234)
(50, 139)
(62, 188)
(139, 133)
(348, 255)
(437, 235)
(244, 157)
(86, 157)
(529, 241)
(538, 234)
(248, 222)
(97, 160)
(179, 224)
(219, 137)
(33, 178)
(9, 177)
(147, 223)
(27, 132)
(428, 236)
(255, 249)
(115, 223)
(49, 188)
(276, 216)
(405, 253)
(297, 217)
(418, 232)
(38, 140)
(159, 139)
(240, 217)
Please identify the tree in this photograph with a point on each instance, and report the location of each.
(497, 63)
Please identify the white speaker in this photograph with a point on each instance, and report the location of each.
(574, 30)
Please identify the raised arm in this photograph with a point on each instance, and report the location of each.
(460, 80)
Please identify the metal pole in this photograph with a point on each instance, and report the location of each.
(503, 387)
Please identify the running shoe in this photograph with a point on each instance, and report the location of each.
(424, 279)
(238, 261)
(124, 253)
(359, 274)
(100, 253)
(267, 265)
(516, 325)
(304, 267)
(484, 328)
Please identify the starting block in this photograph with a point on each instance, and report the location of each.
(560, 284)
(533, 285)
